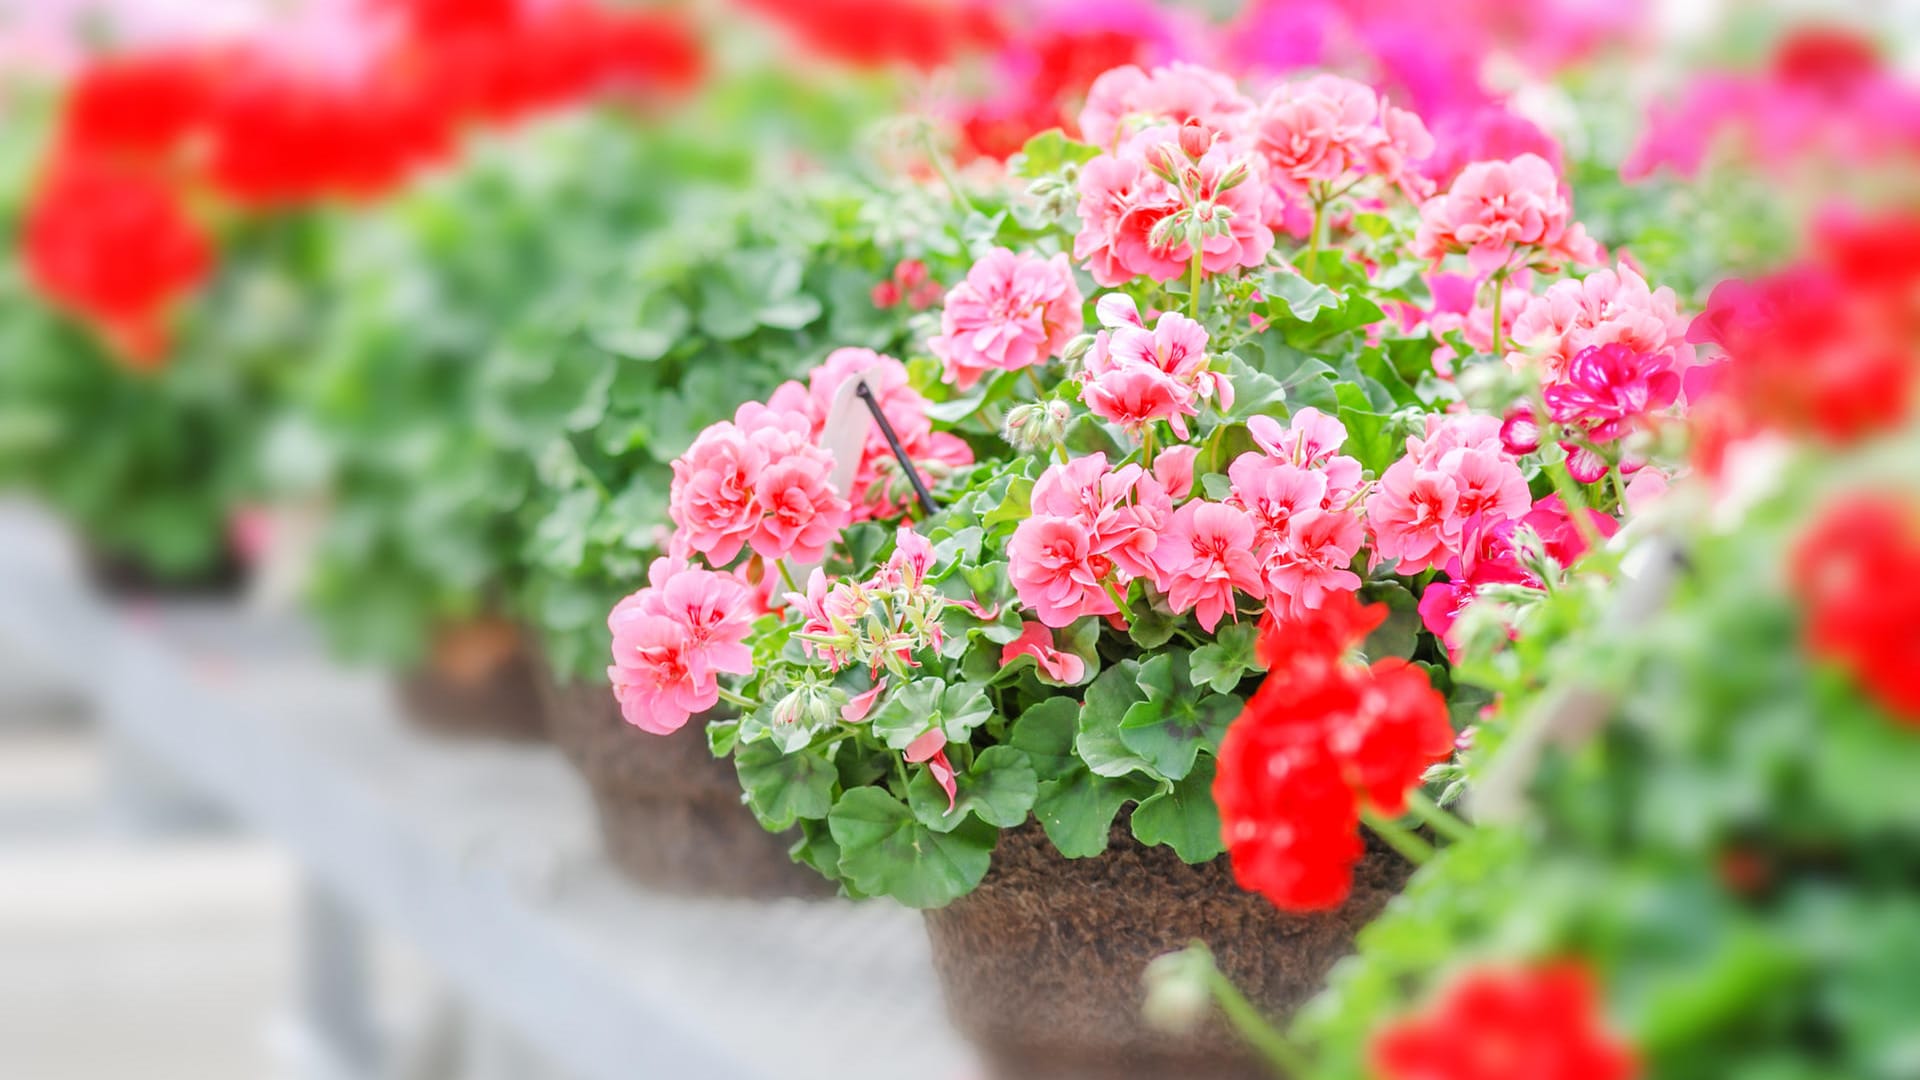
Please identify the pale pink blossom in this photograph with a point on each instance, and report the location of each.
(1175, 93)
(1135, 396)
(1207, 554)
(1488, 483)
(1503, 214)
(1056, 572)
(1012, 311)
(1135, 375)
(1606, 307)
(1311, 438)
(1647, 488)
(1273, 491)
(1174, 469)
(716, 608)
(1036, 640)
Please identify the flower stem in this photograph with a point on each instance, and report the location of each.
(1146, 446)
(1565, 486)
(1119, 598)
(1039, 391)
(786, 574)
(1193, 284)
(1499, 283)
(1313, 241)
(1398, 837)
(945, 169)
(738, 701)
(1619, 485)
(1255, 1029)
(1443, 821)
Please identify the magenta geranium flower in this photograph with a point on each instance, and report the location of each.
(1610, 388)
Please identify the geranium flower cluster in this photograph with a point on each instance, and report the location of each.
(1011, 312)
(1858, 572)
(1136, 375)
(1196, 177)
(1493, 1024)
(877, 487)
(758, 480)
(1824, 347)
(1322, 742)
(145, 140)
(878, 623)
(672, 640)
(1504, 215)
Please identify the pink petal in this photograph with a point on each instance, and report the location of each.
(856, 710)
(942, 771)
(932, 744)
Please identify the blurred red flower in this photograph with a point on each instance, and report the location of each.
(922, 33)
(1320, 736)
(143, 106)
(1541, 1024)
(1858, 572)
(115, 246)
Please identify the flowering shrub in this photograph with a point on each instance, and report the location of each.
(1026, 576)
(172, 139)
(1690, 846)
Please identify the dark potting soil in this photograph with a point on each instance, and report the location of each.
(1042, 964)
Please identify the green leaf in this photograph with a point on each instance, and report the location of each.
(1045, 733)
(1223, 662)
(1015, 508)
(1047, 153)
(999, 789)
(782, 788)
(1099, 743)
(1183, 817)
(885, 850)
(922, 705)
(722, 735)
(1289, 294)
(1077, 808)
(1151, 629)
(1170, 727)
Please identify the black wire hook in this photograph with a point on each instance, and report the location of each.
(899, 452)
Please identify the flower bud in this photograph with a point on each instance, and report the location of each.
(1178, 997)
(1195, 139)
(809, 705)
(1233, 179)
(1037, 425)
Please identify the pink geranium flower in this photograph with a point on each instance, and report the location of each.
(1135, 375)
(1331, 129)
(1124, 200)
(1056, 572)
(1175, 93)
(1012, 311)
(656, 679)
(716, 608)
(1606, 307)
(1036, 640)
(1135, 396)
(1413, 515)
(1206, 554)
(1313, 558)
(711, 500)
(1503, 214)
(804, 514)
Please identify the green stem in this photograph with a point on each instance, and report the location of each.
(1193, 284)
(786, 575)
(736, 700)
(1619, 485)
(1146, 446)
(1313, 241)
(1119, 598)
(900, 770)
(945, 169)
(1398, 837)
(1255, 1029)
(1499, 297)
(1039, 391)
(1443, 821)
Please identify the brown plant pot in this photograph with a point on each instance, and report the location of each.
(670, 812)
(478, 683)
(119, 576)
(1042, 964)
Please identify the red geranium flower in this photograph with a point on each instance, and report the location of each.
(116, 247)
(1541, 1024)
(1319, 736)
(1858, 572)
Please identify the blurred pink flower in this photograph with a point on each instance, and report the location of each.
(1012, 311)
(1503, 214)
(1178, 92)
(1487, 133)
(1606, 307)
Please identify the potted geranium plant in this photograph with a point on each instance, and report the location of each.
(997, 688)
